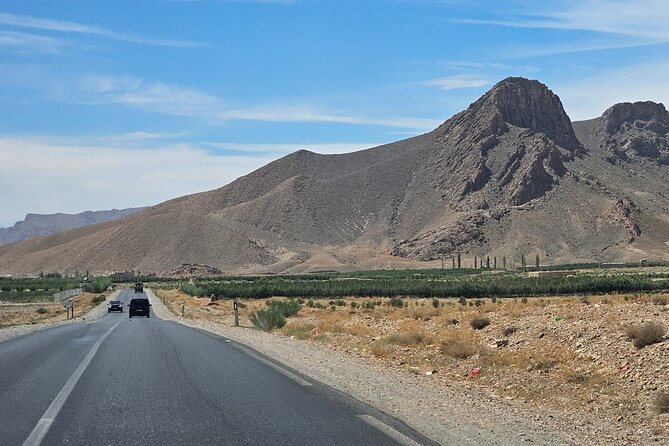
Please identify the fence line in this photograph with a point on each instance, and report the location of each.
(65, 294)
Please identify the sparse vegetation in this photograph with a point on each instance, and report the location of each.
(479, 323)
(275, 315)
(645, 334)
(508, 331)
(42, 310)
(458, 345)
(662, 403)
(98, 299)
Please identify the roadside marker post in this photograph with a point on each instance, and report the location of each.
(68, 304)
(234, 307)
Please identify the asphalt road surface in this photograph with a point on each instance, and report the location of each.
(121, 381)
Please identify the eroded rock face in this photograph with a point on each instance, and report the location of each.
(508, 147)
(636, 130)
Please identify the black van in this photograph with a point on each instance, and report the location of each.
(139, 307)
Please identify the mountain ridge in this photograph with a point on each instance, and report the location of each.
(508, 176)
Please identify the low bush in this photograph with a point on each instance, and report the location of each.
(267, 320)
(459, 345)
(98, 299)
(662, 403)
(435, 303)
(479, 323)
(42, 310)
(646, 334)
(396, 302)
(508, 331)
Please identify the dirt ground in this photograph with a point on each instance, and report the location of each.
(566, 355)
(44, 312)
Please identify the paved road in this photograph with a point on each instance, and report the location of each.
(120, 381)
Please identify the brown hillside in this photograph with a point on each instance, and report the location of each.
(508, 176)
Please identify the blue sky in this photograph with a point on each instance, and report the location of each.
(128, 103)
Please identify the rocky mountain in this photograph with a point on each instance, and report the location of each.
(37, 225)
(508, 176)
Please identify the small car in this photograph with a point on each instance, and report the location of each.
(115, 305)
(139, 307)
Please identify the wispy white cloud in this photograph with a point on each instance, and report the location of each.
(457, 82)
(30, 42)
(189, 102)
(641, 18)
(45, 24)
(588, 97)
(48, 175)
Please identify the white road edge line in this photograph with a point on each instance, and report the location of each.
(389, 431)
(37, 435)
(279, 369)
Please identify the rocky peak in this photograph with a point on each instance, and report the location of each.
(520, 102)
(636, 130)
(638, 114)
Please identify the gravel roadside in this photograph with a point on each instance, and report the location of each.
(462, 415)
(19, 330)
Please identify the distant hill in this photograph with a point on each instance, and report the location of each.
(37, 225)
(511, 175)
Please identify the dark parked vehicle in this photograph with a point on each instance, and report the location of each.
(115, 305)
(139, 307)
(139, 287)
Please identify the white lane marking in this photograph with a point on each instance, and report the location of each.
(43, 425)
(389, 431)
(279, 369)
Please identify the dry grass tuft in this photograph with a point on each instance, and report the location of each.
(459, 344)
(379, 348)
(411, 334)
(424, 313)
(479, 323)
(662, 403)
(646, 334)
(357, 329)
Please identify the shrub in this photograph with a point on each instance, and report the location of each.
(42, 310)
(354, 304)
(478, 302)
(288, 307)
(411, 336)
(508, 331)
(493, 299)
(524, 300)
(267, 320)
(310, 303)
(662, 403)
(369, 305)
(435, 303)
(97, 285)
(462, 301)
(459, 345)
(660, 300)
(396, 302)
(98, 299)
(479, 323)
(646, 334)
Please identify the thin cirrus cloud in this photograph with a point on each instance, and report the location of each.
(29, 42)
(188, 102)
(642, 19)
(44, 24)
(457, 82)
